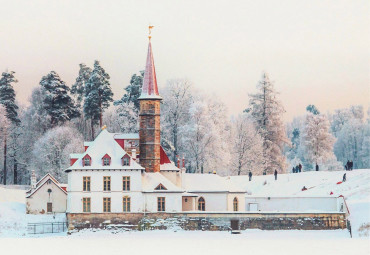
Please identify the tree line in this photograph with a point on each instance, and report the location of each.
(194, 125)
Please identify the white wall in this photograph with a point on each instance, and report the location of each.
(173, 201)
(37, 203)
(299, 204)
(214, 201)
(241, 201)
(76, 193)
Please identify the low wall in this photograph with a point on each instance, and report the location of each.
(208, 221)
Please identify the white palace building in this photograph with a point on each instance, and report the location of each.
(127, 177)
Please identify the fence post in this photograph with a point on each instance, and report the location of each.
(34, 229)
(52, 227)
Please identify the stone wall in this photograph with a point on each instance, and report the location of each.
(208, 221)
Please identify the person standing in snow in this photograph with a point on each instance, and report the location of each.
(293, 170)
(317, 167)
(351, 165)
(250, 175)
(348, 165)
(300, 167)
(275, 173)
(344, 177)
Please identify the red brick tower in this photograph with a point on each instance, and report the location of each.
(150, 126)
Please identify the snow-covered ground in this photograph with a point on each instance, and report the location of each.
(13, 223)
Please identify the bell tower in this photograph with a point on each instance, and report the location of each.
(149, 116)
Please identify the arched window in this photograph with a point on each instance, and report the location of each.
(201, 204)
(235, 204)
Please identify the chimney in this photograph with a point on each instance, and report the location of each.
(33, 180)
(183, 169)
(178, 162)
(133, 154)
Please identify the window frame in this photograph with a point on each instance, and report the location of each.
(126, 204)
(126, 183)
(107, 183)
(86, 183)
(201, 204)
(235, 204)
(107, 207)
(161, 204)
(86, 204)
(89, 161)
(106, 163)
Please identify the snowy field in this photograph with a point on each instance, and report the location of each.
(15, 240)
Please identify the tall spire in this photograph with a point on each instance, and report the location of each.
(150, 87)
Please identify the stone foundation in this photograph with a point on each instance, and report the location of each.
(208, 221)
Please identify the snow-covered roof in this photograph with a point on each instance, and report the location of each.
(152, 180)
(105, 144)
(43, 181)
(88, 143)
(75, 155)
(169, 167)
(208, 183)
(126, 136)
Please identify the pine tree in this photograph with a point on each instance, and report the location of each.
(267, 112)
(78, 88)
(7, 96)
(7, 99)
(98, 95)
(312, 109)
(133, 91)
(57, 102)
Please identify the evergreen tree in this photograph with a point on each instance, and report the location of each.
(78, 88)
(133, 91)
(312, 109)
(98, 95)
(57, 102)
(7, 99)
(7, 96)
(267, 112)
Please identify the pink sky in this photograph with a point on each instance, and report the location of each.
(317, 52)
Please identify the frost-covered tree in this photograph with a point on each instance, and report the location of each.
(343, 116)
(133, 91)
(4, 127)
(247, 147)
(205, 136)
(7, 99)
(177, 97)
(349, 142)
(78, 88)
(122, 118)
(57, 102)
(51, 151)
(318, 140)
(7, 96)
(98, 95)
(312, 109)
(267, 112)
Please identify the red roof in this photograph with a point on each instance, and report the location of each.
(150, 87)
(164, 157)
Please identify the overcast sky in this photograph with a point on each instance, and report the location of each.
(317, 52)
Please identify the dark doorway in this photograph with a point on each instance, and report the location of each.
(234, 224)
(49, 207)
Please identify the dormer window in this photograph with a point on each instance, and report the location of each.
(160, 187)
(86, 161)
(106, 160)
(126, 160)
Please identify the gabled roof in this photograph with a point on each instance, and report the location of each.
(152, 180)
(43, 181)
(104, 144)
